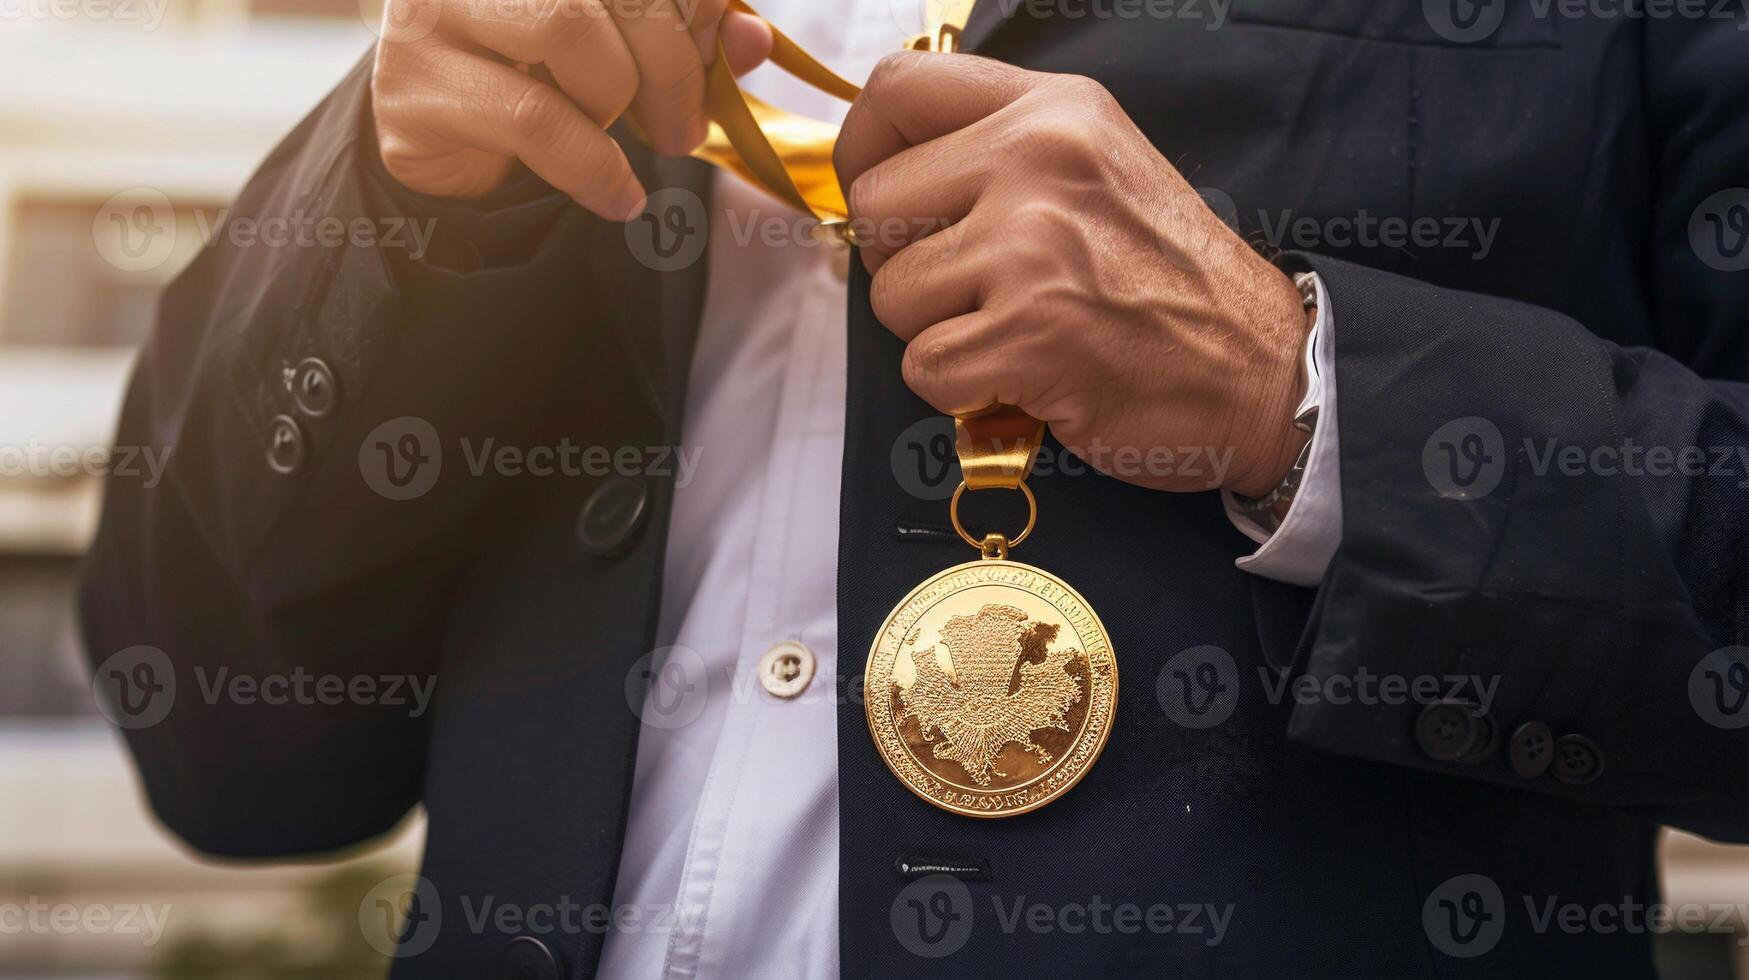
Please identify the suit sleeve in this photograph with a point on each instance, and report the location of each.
(268, 550)
(1555, 517)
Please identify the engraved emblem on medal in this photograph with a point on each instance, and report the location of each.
(991, 687)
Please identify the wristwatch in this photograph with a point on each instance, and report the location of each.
(1271, 509)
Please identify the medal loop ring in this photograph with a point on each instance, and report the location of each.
(953, 513)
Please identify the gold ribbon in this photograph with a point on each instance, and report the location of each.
(790, 156)
(997, 447)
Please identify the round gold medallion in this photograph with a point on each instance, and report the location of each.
(991, 688)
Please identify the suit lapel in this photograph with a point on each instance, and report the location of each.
(656, 311)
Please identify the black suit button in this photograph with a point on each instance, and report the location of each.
(1577, 760)
(1454, 731)
(1531, 750)
(285, 445)
(314, 387)
(613, 515)
(527, 958)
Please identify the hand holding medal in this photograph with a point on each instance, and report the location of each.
(991, 687)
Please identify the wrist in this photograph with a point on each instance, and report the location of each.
(1273, 441)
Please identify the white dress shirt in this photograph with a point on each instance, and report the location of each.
(730, 863)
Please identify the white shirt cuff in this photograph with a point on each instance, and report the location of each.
(1300, 550)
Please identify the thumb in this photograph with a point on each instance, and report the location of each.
(746, 39)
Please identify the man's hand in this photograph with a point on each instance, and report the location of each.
(456, 106)
(1071, 271)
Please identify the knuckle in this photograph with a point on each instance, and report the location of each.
(398, 76)
(535, 115)
(563, 23)
(398, 154)
(394, 63)
(1065, 138)
(1081, 90)
(888, 70)
(1035, 220)
(1055, 303)
(925, 363)
(887, 293)
(1040, 137)
(865, 193)
(401, 11)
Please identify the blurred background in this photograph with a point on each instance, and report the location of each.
(111, 106)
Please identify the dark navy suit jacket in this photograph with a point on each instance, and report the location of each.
(1332, 837)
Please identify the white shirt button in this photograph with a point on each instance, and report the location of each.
(786, 669)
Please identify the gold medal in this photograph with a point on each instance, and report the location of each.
(991, 687)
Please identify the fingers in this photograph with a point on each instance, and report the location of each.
(921, 191)
(577, 40)
(503, 110)
(670, 96)
(957, 366)
(608, 56)
(746, 39)
(914, 97)
(929, 282)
